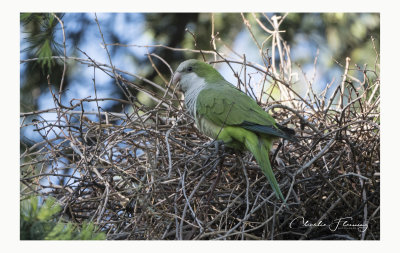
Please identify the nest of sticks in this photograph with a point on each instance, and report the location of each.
(153, 175)
(150, 174)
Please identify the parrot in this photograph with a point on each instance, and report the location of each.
(224, 113)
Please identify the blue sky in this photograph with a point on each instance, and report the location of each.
(134, 32)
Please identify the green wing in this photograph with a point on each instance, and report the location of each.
(223, 104)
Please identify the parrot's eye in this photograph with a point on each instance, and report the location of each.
(189, 69)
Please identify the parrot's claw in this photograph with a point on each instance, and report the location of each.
(218, 144)
(215, 144)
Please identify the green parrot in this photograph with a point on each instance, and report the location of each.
(224, 113)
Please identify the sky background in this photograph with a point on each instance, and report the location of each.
(132, 29)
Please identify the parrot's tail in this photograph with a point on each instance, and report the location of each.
(260, 149)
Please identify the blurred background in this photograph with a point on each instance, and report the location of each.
(319, 44)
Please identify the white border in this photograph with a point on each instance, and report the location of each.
(10, 123)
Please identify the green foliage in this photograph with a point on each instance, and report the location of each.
(41, 27)
(68, 231)
(39, 223)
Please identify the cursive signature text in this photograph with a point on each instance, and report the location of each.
(340, 223)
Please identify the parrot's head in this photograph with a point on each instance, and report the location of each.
(194, 74)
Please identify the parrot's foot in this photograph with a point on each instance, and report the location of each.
(219, 145)
(218, 148)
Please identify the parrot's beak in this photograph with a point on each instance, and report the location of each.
(176, 78)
